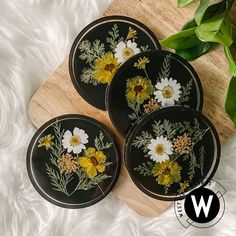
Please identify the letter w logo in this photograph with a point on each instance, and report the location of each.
(202, 205)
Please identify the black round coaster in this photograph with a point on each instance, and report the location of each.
(73, 161)
(100, 49)
(148, 82)
(172, 151)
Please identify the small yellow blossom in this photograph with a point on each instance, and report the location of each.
(141, 64)
(46, 141)
(183, 186)
(132, 34)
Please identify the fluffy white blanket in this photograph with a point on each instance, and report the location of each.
(35, 36)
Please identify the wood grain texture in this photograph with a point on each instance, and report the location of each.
(57, 95)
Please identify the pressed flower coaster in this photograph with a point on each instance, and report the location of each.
(100, 49)
(73, 161)
(172, 151)
(148, 82)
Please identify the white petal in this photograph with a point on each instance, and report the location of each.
(70, 148)
(76, 131)
(120, 46)
(131, 44)
(158, 96)
(165, 82)
(169, 151)
(151, 146)
(153, 156)
(77, 150)
(169, 102)
(67, 134)
(66, 143)
(159, 86)
(136, 50)
(84, 140)
(162, 158)
(177, 96)
(151, 152)
(119, 57)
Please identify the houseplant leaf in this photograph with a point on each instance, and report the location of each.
(184, 39)
(203, 6)
(213, 10)
(183, 3)
(197, 50)
(216, 29)
(194, 52)
(232, 65)
(230, 102)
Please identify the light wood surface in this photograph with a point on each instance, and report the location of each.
(57, 95)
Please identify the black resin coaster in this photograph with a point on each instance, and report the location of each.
(73, 161)
(100, 49)
(148, 82)
(172, 151)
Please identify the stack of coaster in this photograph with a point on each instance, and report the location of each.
(154, 99)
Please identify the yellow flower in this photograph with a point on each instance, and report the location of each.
(139, 89)
(46, 141)
(93, 162)
(132, 34)
(167, 172)
(183, 186)
(141, 64)
(105, 68)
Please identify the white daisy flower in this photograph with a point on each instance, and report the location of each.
(160, 149)
(126, 50)
(168, 92)
(75, 142)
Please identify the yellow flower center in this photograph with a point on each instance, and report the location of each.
(166, 171)
(94, 161)
(138, 88)
(75, 140)
(127, 53)
(167, 92)
(160, 149)
(109, 67)
(47, 142)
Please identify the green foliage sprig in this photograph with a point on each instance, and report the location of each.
(209, 26)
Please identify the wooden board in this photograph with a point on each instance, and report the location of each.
(57, 95)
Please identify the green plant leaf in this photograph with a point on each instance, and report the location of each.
(184, 39)
(230, 102)
(213, 10)
(216, 29)
(231, 61)
(183, 3)
(190, 24)
(195, 52)
(203, 6)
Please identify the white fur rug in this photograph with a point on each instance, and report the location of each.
(35, 36)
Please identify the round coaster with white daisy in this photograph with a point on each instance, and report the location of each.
(73, 161)
(100, 49)
(148, 82)
(171, 152)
